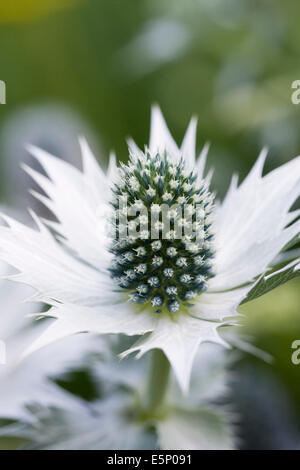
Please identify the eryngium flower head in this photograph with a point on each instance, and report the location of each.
(163, 240)
(94, 283)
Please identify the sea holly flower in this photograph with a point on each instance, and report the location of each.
(118, 280)
(116, 418)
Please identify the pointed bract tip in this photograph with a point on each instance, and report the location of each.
(31, 148)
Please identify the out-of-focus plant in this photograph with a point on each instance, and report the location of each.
(113, 418)
(25, 10)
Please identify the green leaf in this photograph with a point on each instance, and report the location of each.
(273, 280)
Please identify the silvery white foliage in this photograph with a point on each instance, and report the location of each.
(251, 226)
(194, 421)
(112, 421)
(202, 429)
(104, 425)
(52, 126)
(28, 381)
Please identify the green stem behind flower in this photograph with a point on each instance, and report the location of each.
(157, 383)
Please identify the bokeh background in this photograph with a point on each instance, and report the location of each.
(94, 67)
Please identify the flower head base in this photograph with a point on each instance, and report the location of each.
(162, 233)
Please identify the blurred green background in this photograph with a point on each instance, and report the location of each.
(96, 66)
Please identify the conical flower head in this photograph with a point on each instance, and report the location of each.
(162, 232)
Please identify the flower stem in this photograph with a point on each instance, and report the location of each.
(157, 382)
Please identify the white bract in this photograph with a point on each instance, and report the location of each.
(176, 296)
(29, 381)
(114, 419)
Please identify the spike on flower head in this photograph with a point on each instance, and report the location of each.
(155, 244)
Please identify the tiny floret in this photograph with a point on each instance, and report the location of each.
(167, 196)
(142, 289)
(157, 261)
(168, 273)
(141, 251)
(156, 245)
(174, 184)
(151, 192)
(186, 278)
(141, 268)
(156, 301)
(171, 290)
(171, 251)
(174, 306)
(190, 295)
(181, 262)
(153, 281)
